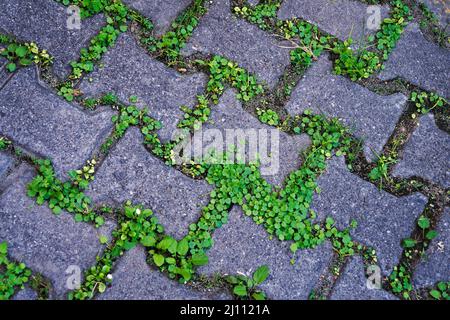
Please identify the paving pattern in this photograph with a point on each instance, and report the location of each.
(37, 122)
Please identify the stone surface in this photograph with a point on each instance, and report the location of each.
(427, 154)
(6, 163)
(383, 219)
(341, 18)
(352, 285)
(435, 265)
(25, 294)
(45, 23)
(279, 152)
(130, 172)
(129, 71)
(46, 243)
(419, 61)
(441, 8)
(134, 279)
(241, 246)
(161, 12)
(219, 32)
(41, 122)
(371, 116)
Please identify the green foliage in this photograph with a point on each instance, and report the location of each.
(223, 72)
(24, 55)
(4, 143)
(400, 281)
(380, 172)
(425, 102)
(441, 291)
(261, 15)
(195, 116)
(268, 116)
(246, 287)
(67, 92)
(12, 275)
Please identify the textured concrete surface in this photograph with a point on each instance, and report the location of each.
(6, 163)
(26, 294)
(221, 33)
(427, 154)
(42, 122)
(46, 243)
(238, 247)
(45, 23)
(372, 117)
(419, 61)
(129, 71)
(441, 8)
(131, 173)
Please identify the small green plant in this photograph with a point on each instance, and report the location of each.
(24, 55)
(4, 143)
(268, 116)
(246, 287)
(425, 102)
(441, 292)
(400, 281)
(12, 275)
(262, 15)
(67, 92)
(380, 172)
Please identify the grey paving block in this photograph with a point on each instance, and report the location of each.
(241, 246)
(46, 243)
(419, 61)
(25, 294)
(42, 122)
(352, 285)
(341, 18)
(370, 116)
(161, 12)
(279, 152)
(223, 34)
(427, 154)
(435, 265)
(441, 8)
(6, 163)
(129, 71)
(45, 22)
(130, 172)
(383, 219)
(134, 279)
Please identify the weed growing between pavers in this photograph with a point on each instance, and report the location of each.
(285, 220)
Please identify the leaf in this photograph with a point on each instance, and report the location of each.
(101, 287)
(423, 222)
(158, 259)
(148, 241)
(21, 51)
(431, 234)
(129, 245)
(409, 243)
(11, 67)
(103, 239)
(240, 291)
(261, 274)
(435, 294)
(3, 247)
(200, 259)
(259, 296)
(183, 247)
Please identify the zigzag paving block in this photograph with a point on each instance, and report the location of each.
(240, 246)
(371, 116)
(219, 32)
(419, 61)
(130, 172)
(45, 22)
(383, 219)
(45, 124)
(433, 160)
(128, 70)
(26, 294)
(278, 159)
(6, 163)
(341, 18)
(134, 279)
(161, 12)
(46, 243)
(435, 265)
(352, 285)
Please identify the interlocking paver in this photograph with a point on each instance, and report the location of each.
(148, 283)
(383, 219)
(237, 249)
(341, 18)
(282, 157)
(434, 266)
(371, 116)
(131, 173)
(417, 60)
(441, 8)
(427, 154)
(129, 71)
(46, 243)
(41, 122)
(6, 162)
(221, 33)
(353, 284)
(26, 294)
(45, 22)
(161, 12)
